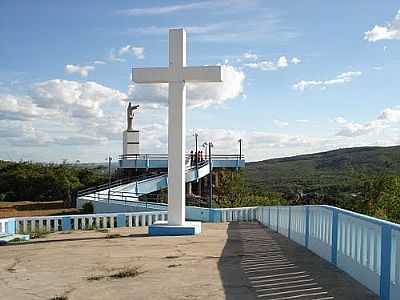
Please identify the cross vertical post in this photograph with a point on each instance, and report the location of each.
(176, 129)
(176, 75)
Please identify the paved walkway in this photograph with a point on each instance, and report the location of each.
(236, 261)
(276, 268)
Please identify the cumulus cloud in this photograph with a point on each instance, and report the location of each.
(391, 114)
(22, 133)
(250, 56)
(68, 112)
(116, 54)
(296, 60)
(352, 129)
(266, 65)
(388, 117)
(82, 71)
(390, 31)
(73, 98)
(79, 139)
(339, 79)
(14, 107)
(198, 94)
(280, 123)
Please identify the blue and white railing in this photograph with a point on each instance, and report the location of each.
(366, 248)
(7, 226)
(27, 225)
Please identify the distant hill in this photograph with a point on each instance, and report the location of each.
(321, 171)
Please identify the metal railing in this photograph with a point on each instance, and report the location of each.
(124, 181)
(115, 183)
(187, 156)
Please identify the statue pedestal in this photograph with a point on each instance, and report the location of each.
(162, 228)
(130, 142)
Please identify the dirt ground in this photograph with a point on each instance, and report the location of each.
(19, 209)
(236, 261)
(169, 268)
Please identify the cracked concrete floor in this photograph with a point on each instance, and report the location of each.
(218, 264)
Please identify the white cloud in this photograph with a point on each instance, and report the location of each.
(99, 62)
(75, 99)
(83, 71)
(161, 10)
(137, 52)
(391, 114)
(17, 108)
(339, 79)
(350, 129)
(280, 123)
(296, 60)
(266, 65)
(263, 26)
(21, 133)
(390, 31)
(79, 139)
(302, 121)
(250, 56)
(198, 94)
(385, 119)
(282, 62)
(340, 120)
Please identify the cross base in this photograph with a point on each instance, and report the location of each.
(162, 228)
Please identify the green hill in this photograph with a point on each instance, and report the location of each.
(321, 172)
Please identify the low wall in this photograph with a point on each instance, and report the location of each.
(117, 206)
(366, 248)
(7, 226)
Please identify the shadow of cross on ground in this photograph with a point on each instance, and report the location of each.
(260, 264)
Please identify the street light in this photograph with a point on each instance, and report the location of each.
(109, 175)
(205, 144)
(210, 145)
(196, 135)
(240, 148)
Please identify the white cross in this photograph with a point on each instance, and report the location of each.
(176, 75)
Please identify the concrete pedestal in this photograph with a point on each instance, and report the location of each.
(162, 228)
(130, 142)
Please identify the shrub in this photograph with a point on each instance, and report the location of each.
(87, 208)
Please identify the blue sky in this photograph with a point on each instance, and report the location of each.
(302, 76)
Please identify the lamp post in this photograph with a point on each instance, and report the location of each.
(205, 144)
(196, 135)
(210, 145)
(240, 148)
(109, 175)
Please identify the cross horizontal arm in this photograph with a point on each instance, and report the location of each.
(203, 73)
(150, 75)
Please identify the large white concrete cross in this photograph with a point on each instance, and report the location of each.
(176, 75)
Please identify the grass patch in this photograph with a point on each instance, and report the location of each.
(102, 230)
(39, 234)
(16, 240)
(113, 236)
(96, 277)
(171, 256)
(59, 298)
(174, 265)
(127, 272)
